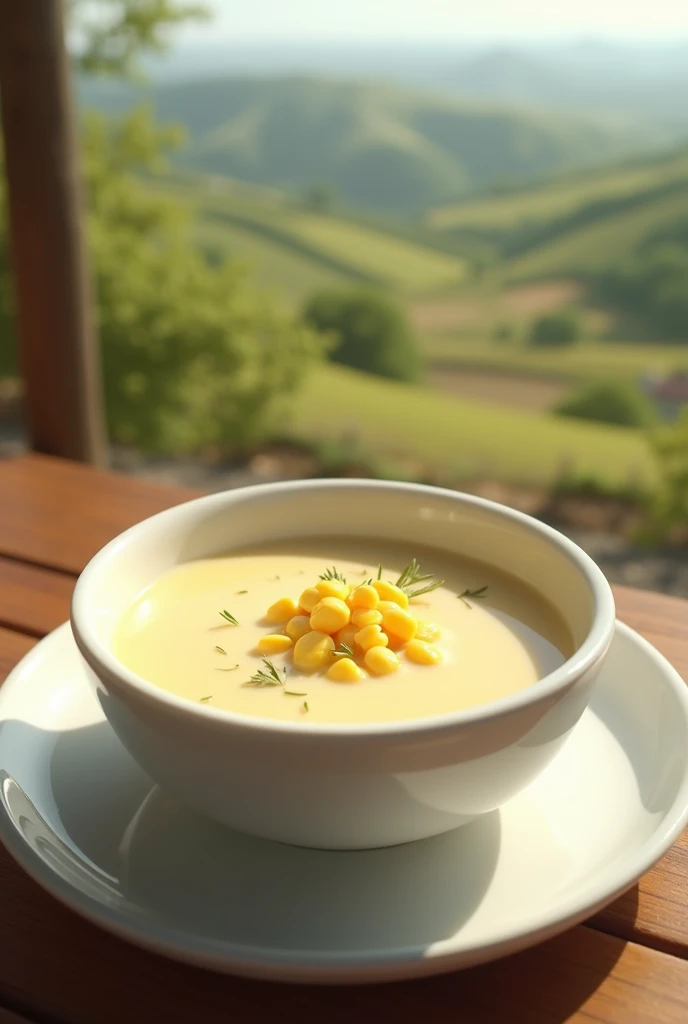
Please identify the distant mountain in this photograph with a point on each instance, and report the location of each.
(644, 83)
(379, 146)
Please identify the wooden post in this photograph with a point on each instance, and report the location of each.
(57, 346)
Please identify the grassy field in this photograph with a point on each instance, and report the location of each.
(401, 421)
(600, 244)
(559, 197)
(275, 232)
(272, 266)
(584, 361)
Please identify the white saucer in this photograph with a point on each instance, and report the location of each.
(90, 827)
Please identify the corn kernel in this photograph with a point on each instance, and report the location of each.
(330, 615)
(422, 653)
(400, 623)
(274, 643)
(390, 592)
(346, 636)
(381, 661)
(344, 670)
(312, 651)
(298, 626)
(281, 610)
(428, 631)
(366, 617)
(332, 588)
(308, 600)
(364, 596)
(385, 606)
(371, 636)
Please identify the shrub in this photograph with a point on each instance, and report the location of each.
(609, 401)
(667, 513)
(370, 332)
(556, 329)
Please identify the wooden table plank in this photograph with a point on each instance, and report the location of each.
(58, 514)
(13, 647)
(57, 964)
(33, 600)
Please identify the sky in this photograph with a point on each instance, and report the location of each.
(443, 20)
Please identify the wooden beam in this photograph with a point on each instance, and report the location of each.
(57, 348)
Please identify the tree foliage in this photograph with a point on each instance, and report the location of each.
(610, 401)
(191, 355)
(108, 35)
(668, 510)
(370, 332)
(653, 283)
(556, 330)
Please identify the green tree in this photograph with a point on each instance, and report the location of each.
(370, 332)
(610, 401)
(191, 355)
(556, 330)
(107, 36)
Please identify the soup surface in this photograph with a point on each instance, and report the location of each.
(491, 645)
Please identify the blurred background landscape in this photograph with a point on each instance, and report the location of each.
(408, 240)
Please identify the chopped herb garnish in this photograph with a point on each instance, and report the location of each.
(379, 571)
(229, 617)
(477, 594)
(204, 699)
(294, 693)
(268, 676)
(305, 705)
(332, 574)
(365, 583)
(242, 591)
(412, 576)
(274, 579)
(220, 650)
(232, 669)
(345, 652)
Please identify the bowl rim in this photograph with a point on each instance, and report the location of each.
(102, 661)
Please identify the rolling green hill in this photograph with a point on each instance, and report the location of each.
(379, 146)
(296, 250)
(574, 224)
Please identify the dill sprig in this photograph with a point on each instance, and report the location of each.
(267, 676)
(345, 652)
(379, 571)
(228, 617)
(412, 576)
(204, 699)
(242, 591)
(220, 650)
(295, 693)
(232, 669)
(332, 574)
(476, 595)
(305, 706)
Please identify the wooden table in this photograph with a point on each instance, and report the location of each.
(628, 964)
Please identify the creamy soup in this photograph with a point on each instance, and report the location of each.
(200, 632)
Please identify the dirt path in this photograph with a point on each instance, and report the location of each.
(523, 302)
(508, 390)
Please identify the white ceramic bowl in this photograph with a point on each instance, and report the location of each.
(343, 786)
